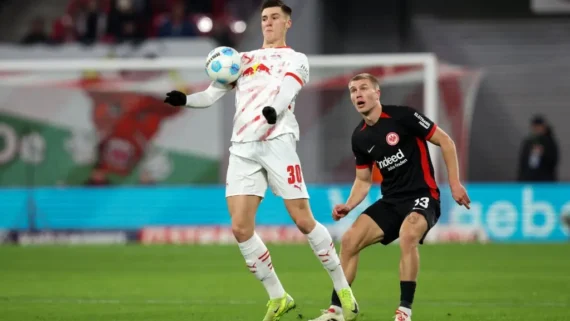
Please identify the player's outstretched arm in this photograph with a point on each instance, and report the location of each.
(360, 189)
(201, 99)
(442, 139)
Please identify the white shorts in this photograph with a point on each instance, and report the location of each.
(254, 165)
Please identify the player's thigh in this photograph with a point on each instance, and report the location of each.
(246, 184)
(363, 233)
(245, 176)
(286, 180)
(385, 215)
(284, 171)
(421, 214)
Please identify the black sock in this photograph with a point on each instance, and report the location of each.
(407, 291)
(335, 300)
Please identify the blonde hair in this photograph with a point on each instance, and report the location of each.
(366, 76)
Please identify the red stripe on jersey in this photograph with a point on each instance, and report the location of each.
(363, 166)
(258, 117)
(269, 131)
(431, 132)
(363, 126)
(428, 178)
(255, 93)
(294, 76)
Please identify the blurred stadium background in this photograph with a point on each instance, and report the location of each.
(94, 157)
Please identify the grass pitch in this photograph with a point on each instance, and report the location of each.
(212, 283)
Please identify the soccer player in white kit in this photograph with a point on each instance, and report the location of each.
(263, 153)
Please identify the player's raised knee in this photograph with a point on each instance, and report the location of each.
(305, 224)
(414, 227)
(408, 239)
(350, 242)
(300, 212)
(242, 232)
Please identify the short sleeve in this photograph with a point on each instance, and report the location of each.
(417, 123)
(362, 159)
(299, 68)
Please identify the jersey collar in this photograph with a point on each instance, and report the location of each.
(280, 47)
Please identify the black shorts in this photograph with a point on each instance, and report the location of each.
(389, 214)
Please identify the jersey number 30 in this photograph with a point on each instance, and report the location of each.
(294, 174)
(423, 202)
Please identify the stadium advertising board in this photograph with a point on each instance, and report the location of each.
(110, 127)
(499, 213)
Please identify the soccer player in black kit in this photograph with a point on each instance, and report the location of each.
(395, 139)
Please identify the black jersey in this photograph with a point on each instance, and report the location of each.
(397, 143)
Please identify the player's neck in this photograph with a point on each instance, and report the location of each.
(276, 44)
(372, 117)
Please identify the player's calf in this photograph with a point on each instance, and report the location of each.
(258, 260)
(412, 231)
(319, 238)
(323, 246)
(363, 232)
(351, 244)
(257, 257)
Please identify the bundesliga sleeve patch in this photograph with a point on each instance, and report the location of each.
(303, 72)
(422, 122)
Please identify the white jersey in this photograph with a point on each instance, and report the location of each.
(263, 71)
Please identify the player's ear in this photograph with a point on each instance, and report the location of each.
(289, 22)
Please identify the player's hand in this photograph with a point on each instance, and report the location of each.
(175, 98)
(340, 211)
(270, 114)
(459, 194)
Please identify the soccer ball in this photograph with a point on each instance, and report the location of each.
(223, 65)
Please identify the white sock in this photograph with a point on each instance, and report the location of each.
(323, 246)
(406, 311)
(258, 260)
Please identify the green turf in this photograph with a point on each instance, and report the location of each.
(191, 283)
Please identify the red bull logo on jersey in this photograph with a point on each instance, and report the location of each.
(259, 67)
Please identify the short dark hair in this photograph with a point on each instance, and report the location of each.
(538, 120)
(366, 76)
(277, 3)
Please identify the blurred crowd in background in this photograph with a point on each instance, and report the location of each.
(117, 21)
(512, 116)
(501, 85)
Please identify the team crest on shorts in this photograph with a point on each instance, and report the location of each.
(392, 138)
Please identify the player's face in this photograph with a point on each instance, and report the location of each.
(274, 24)
(538, 129)
(364, 95)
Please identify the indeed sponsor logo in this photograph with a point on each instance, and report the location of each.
(396, 160)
